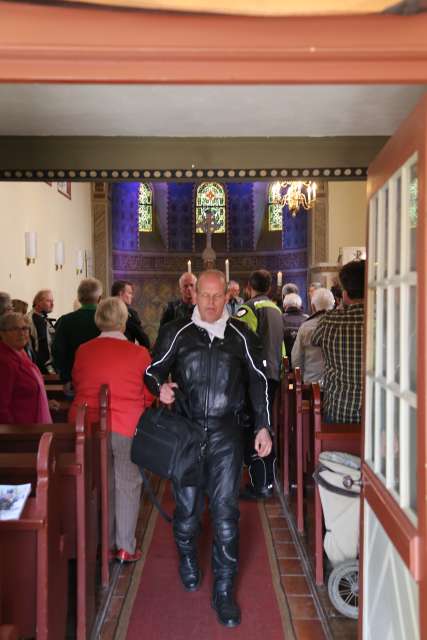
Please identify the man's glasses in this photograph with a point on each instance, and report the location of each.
(17, 329)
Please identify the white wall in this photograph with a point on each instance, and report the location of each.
(347, 216)
(41, 208)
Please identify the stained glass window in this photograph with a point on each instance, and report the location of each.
(145, 208)
(210, 203)
(275, 217)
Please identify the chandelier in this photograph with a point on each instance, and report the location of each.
(294, 195)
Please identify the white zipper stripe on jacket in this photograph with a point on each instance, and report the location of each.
(153, 364)
(258, 370)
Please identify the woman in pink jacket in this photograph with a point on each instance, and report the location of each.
(23, 397)
(111, 359)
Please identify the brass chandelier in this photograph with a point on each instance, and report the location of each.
(294, 195)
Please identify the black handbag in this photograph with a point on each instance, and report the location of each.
(170, 445)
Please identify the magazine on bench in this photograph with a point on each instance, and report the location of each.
(12, 500)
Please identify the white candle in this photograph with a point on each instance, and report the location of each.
(279, 278)
(227, 270)
(189, 266)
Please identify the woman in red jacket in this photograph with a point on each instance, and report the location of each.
(111, 359)
(22, 394)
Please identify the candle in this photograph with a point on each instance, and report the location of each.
(279, 278)
(189, 266)
(227, 270)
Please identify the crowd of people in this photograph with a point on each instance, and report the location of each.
(224, 352)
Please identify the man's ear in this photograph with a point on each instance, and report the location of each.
(227, 297)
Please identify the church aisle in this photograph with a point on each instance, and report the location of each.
(276, 603)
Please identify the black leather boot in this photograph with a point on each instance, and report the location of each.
(227, 609)
(189, 572)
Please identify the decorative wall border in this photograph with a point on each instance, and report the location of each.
(329, 173)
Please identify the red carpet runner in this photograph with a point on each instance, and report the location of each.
(162, 610)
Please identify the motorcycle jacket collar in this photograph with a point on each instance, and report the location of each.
(214, 329)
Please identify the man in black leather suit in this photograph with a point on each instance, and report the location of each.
(215, 361)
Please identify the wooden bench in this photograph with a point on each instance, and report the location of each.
(79, 500)
(33, 560)
(304, 421)
(328, 437)
(103, 478)
(9, 632)
(285, 420)
(51, 378)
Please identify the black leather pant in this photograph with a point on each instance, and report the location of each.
(223, 468)
(261, 470)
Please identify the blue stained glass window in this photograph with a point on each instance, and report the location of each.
(145, 208)
(210, 199)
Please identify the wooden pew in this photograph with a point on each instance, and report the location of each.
(55, 391)
(303, 419)
(34, 567)
(285, 414)
(51, 378)
(79, 499)
(103, 472)
(329, 437)
(9, 632)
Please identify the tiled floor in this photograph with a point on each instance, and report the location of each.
(304, 614)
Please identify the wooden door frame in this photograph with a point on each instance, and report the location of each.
(94, 45)
(409, 540)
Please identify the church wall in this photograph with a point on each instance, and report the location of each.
(39, 207)
(347, 216)
(155, 273)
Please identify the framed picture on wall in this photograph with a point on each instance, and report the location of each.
(65, 188)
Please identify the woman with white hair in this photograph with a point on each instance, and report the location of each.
(111, 359)
(304, 355)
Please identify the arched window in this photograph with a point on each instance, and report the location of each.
(145, 208)
(275, 217)
(210, 198)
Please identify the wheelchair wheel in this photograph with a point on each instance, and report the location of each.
(343, 588)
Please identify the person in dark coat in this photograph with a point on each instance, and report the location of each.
(134, 332)
(181, 308)
(293, 317)
(42, 330)
(75, 328)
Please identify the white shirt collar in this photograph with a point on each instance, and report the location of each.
(215, 329)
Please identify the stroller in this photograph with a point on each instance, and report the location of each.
(338, 478)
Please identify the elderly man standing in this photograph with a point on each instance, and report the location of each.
(234, 300)
(293, 317)
(42, 330)
(181, 308)
(75, 328)
(216, 362)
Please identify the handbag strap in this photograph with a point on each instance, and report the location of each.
(152, 496)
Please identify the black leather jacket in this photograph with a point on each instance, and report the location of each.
(214, 376)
